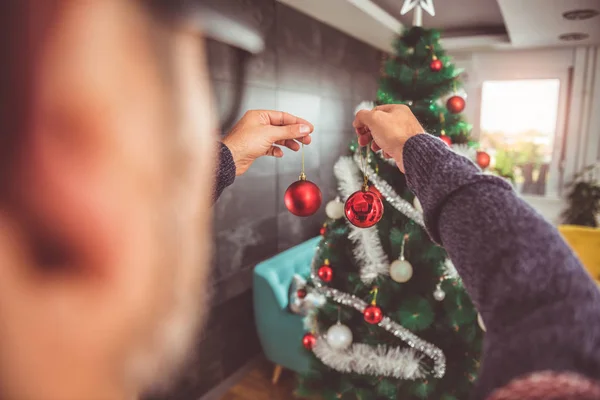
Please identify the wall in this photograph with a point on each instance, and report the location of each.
(307, 69)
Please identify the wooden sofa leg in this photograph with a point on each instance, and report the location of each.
(276, 374)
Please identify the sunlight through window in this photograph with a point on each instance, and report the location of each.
(518, 128)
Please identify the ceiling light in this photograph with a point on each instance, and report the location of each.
(569, 37)
(575, 15)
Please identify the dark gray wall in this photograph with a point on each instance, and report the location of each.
(315, 72)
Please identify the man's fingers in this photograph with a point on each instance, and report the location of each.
(275, 151)
(375, 147)
(362, 119)
(290, 131)
(364, 140)
(290, 144)
(281, 118)
(305, 139)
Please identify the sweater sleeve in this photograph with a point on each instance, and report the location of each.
(225, 173)
(541, 309)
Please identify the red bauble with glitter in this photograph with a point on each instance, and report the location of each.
(456, 104)
(483, 159)
(364, 209)
(446, 139)
(325, 273)
(301, 293)
(436, 65)
(373, 314)
(308, 341)
(303, 198)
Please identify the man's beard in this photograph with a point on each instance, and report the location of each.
(157, 359)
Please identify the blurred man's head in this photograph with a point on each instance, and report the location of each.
(104, 200)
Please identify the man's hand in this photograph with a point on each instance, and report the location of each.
(257, 133)
(388, 127)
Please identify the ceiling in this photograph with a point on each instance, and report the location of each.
(465, 24)
(484, 16)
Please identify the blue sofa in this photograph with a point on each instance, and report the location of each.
(279, 330)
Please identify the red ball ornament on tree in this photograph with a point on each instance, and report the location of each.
(436, 65)
(303, 198)
(323, 230)
(373, 314)
(483, 159)
(446, 139)
(456, 104)
(373, 189)
(301, 293)
(308, 341)
(325, 272)
(364, 209)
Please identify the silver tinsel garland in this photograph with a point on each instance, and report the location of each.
(367, 360)
(390, 195)
(368, 251)
(432, 352)
(450, 271)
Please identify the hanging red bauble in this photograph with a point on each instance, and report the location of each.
(446, 139)
(455, 104)
(373, 189)
(323, 230)
(364, 209)
(303, 198)
(325, 273)
(483, 159)
(436, 65)
(308, 341)
(373, 314)
(301, 293)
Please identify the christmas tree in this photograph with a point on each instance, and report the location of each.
(397, 322)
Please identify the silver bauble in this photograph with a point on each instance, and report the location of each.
(334, 209)
(339, 337)
(401, 271)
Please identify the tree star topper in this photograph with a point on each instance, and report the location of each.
(427, 5)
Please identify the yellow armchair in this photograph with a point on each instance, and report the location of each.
(585, 242)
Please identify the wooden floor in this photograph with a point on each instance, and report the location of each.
(256, 385)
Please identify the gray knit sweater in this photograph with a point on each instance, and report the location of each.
(541, 309)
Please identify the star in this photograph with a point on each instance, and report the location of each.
(426, 5)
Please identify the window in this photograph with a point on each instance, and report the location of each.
(518, 130)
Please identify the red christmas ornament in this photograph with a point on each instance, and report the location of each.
(308, 341)
(436, 65)
(446, 139)
(456, 104)
(373, 314)
(303, 198)
(364, 209)
(301, 293)
(483, 159)
(325, 272)
(373, 189)
(323, 230)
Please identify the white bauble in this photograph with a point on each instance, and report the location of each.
(339, 337)
(480, 322)
(401, 271)
(334, 209)
(439, 294)
(417, 205)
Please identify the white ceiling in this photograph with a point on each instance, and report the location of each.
(465, 24)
